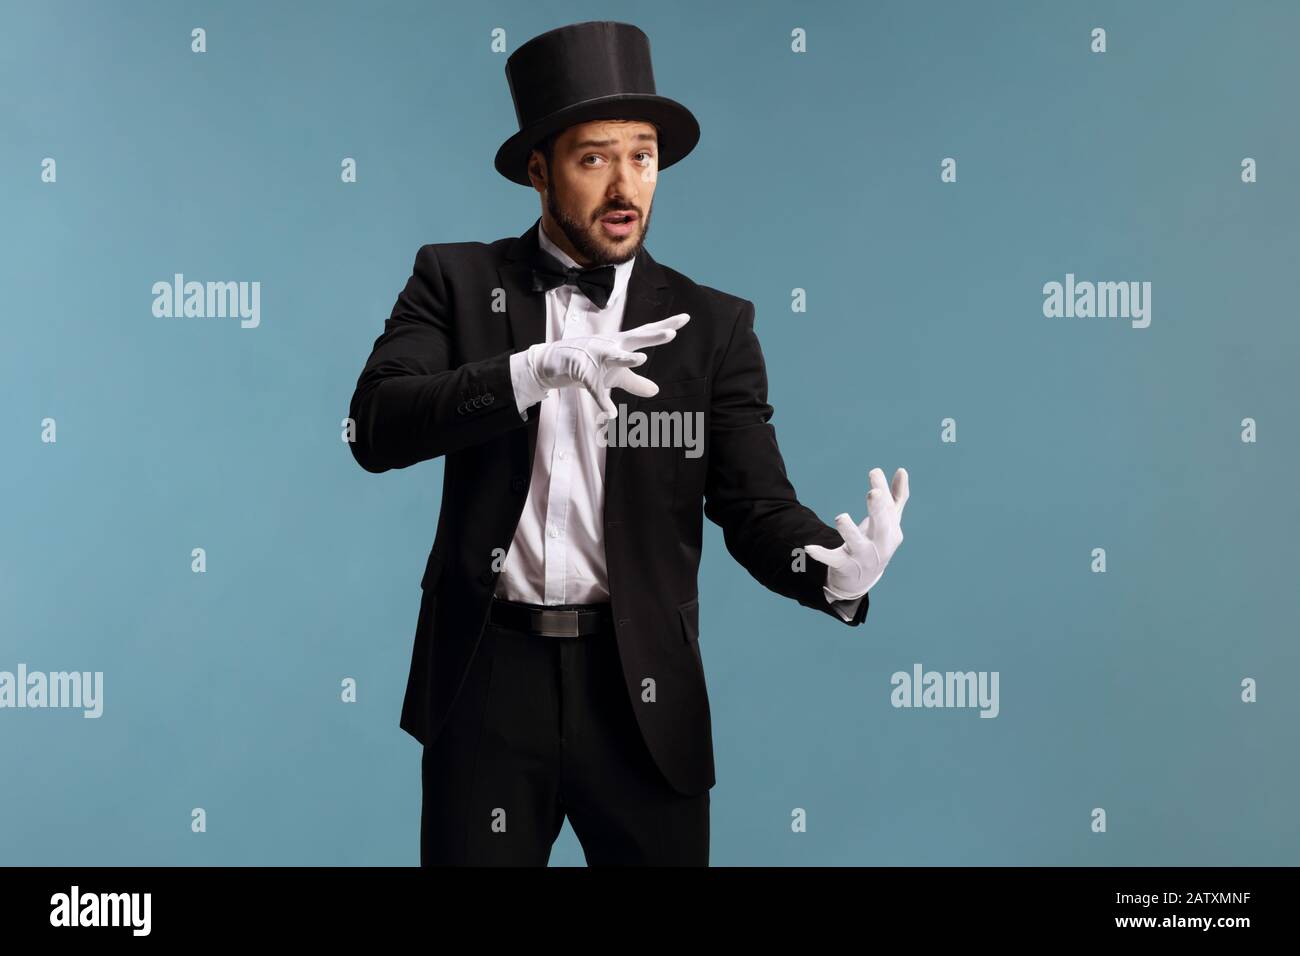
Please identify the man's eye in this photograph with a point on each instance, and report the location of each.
(590, 156)
(647, 154)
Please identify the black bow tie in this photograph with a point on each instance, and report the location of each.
(595, 283)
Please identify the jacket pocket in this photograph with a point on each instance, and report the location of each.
(681, 388)
(690, 616)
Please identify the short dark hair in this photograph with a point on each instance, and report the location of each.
(547, 146)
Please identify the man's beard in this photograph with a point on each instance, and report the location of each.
(582, 241)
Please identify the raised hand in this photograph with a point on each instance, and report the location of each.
(599, 363)
(856, 565)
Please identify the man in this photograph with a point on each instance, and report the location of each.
(556, 669)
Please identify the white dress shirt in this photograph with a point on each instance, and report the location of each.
(557, 555)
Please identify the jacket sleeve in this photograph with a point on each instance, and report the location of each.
(747, 493)
(410, 405)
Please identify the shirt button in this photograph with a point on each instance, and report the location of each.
(563, 454)
(553, 531)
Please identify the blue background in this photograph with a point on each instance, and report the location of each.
(820, 171)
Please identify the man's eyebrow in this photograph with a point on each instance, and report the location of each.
(611, 142)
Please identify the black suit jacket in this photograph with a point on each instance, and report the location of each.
(437, 384)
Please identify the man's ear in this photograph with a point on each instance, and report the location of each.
(537, 170)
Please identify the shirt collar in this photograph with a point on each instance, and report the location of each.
(622, 271)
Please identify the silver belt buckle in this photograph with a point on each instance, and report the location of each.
(554, 623)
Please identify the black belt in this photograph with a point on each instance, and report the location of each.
(551, 620)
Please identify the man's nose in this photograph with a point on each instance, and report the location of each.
(622, 185)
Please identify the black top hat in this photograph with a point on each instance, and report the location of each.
(587, 71)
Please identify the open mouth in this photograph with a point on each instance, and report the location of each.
(619, 223)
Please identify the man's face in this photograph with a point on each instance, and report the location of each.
(600, 171)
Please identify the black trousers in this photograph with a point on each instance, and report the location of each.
(544, 729)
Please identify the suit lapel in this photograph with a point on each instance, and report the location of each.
(647, 292)
(526, 310)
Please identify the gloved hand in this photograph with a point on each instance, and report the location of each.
(599, 363)
(856, 565)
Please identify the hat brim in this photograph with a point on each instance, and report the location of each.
(678, 129)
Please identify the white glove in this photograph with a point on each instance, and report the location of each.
(855, 566)
(599, 363)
